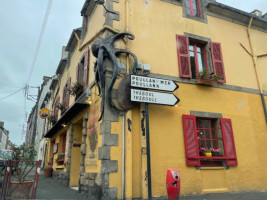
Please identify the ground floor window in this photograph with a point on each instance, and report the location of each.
(209, 141)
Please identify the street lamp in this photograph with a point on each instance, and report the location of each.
(101, 2)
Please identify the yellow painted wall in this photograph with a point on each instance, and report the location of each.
(75, 156)
(96, 23)
(155, 42)
(167, 140)
(155, 25)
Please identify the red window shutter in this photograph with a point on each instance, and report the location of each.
(64, 144)
(217, 60)
(183, 56)
(228, 141)
(77, 73)
(56, 111)
(190, 140)
(67, 93)
(85, 71)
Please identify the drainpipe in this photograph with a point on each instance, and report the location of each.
(124, 114)
(123, 159)
(254, 58)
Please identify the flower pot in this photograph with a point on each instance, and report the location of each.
(48, 171)
(208, 154)
(20, 190)
(202, 81)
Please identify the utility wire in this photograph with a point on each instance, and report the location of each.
(12, 94)
(40, 39)
(8, 91)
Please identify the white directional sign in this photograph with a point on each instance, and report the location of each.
(144, 96)
(153, 83)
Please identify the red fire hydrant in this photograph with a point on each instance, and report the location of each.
(173, 184)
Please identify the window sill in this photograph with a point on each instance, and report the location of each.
(212, 168)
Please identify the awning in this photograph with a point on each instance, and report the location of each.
(69, 114)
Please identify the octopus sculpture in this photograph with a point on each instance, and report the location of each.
(102, 49)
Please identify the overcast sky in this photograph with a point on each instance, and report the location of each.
(20, 26)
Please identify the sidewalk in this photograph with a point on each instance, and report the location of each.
(50, 189)
(252, 195)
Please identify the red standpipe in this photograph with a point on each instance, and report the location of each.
(173, 184)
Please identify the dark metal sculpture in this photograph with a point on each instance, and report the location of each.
(102, 49)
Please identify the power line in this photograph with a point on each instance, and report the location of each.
(40, 39)
(12, 94)
(8, 91)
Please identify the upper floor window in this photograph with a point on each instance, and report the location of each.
(82, 70)
(193, 57)
(66, 96)
(192, 8)
(198, 60)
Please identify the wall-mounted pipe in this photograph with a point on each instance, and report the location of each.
(254, 58)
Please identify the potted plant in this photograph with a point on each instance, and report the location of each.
(48, 170)
(76, 89)
(52, 119)
(61, 106)
(60, 159)
(20, 185)
(205, 152)
(215, 152)
(204, 78)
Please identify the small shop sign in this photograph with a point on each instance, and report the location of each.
(44, 113)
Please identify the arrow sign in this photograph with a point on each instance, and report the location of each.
(144, 96)
(153, 83)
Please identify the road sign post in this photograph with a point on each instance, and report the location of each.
(152, 97)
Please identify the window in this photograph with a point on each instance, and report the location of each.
(56, 108)
(66, 95)
(197, 53)
(208, 133)
(192, 8)
(195, 10)
(193, 57)
(63, 144)
(82, 69)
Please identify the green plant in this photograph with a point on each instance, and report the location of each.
(61, 156)
(24, 160)
(205, 75)
(61, 106)
(75, 89)
(52, 118)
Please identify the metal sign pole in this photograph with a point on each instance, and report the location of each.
(148, 154)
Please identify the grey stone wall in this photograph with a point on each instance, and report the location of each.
(62, 177)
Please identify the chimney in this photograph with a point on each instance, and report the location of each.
(2, 124)
(256, 12)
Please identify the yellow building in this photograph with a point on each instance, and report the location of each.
(215, 135)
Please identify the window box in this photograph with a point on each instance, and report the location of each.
(202, 81)
(60, 160)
